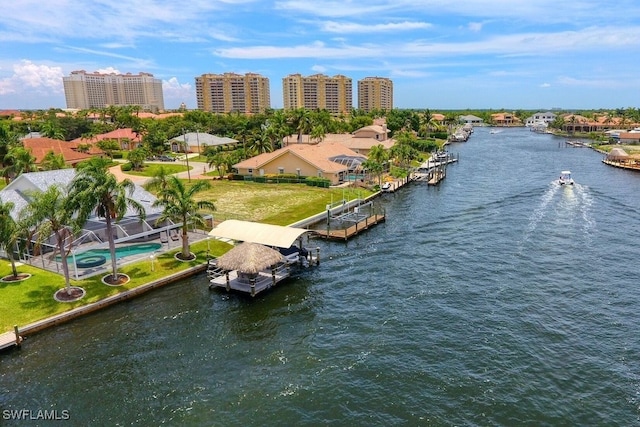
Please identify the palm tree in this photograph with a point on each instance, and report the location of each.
(52, 129)
(50, 212)
(20, 160)
(52, 161)
(159, 180)
(9, 233)
(180, 205)
(96, 189)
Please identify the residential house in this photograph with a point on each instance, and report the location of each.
(39, 148)
(126, 138)
(360, 141)
(471, 120)
(540, 119)
(505, 119)
(196, 142)
(331, 161)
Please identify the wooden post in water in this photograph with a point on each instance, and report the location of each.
(18, 337)
(252, 283)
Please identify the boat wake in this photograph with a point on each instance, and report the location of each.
(562, 208)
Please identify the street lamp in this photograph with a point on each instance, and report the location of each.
(152, 257)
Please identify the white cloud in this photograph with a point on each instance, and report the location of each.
(319, 69)
(351, 27)
(475, 26)
(108, 70)
(28, 77)
(175, 93)
(545, 85)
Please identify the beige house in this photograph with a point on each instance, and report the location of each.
(331, 161)
(360, 141)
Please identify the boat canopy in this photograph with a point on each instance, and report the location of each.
(566, 172)
(265, 234)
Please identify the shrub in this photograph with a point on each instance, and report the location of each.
(125, 167)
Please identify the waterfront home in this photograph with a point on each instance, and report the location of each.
(360, 141)
(540, 120)
(505, 119)
(471, 120)
(330, 161)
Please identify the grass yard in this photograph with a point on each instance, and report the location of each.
(151, 169)
(279, 204)
(31, 300)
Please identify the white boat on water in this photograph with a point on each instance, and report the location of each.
(565, 178)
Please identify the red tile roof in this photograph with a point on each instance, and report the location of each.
(41, 146)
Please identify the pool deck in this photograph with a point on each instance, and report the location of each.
(50, 263)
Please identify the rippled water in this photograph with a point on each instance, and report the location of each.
(497, 298)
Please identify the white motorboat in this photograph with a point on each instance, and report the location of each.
(565, 178)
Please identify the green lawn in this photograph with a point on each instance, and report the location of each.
(25, 302)
(31, 300)
(151, 169)
(280, 204)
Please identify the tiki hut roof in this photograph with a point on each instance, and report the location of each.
(617, 153)
(249, 258)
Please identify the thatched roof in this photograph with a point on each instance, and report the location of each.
(249, 258)
(617, 153)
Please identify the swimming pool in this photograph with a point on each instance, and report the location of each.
(96, 257)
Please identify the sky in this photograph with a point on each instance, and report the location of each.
(440, 54)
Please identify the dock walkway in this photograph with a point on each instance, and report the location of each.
(9, 339)
(346, 233)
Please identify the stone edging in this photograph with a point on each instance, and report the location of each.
(122, 296)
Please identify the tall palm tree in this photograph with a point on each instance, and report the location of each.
(95, 189)
(51, 213)
(180, 205)
(9, 233)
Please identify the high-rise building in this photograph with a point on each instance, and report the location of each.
(375, 93)
(84, 90)
(318, 91)
(230, 92)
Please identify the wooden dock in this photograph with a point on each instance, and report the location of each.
(435, 176)
(10, 339)
(346, 233)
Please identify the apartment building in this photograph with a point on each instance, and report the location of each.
(318, 91)
(375, 93)
(84, 90)
(231, 92)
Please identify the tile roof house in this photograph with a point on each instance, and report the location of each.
(39, 148)
(360, 141)
(126, 138)
(332, 161)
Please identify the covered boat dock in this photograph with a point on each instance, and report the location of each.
(267, 255)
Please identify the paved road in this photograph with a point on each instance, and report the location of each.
(196, 172)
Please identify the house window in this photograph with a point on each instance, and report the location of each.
(280, 170)
(250, 171)
(319, 174)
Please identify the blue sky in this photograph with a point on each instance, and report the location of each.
(440, 54)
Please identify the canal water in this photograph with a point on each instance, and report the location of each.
(496, 298)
